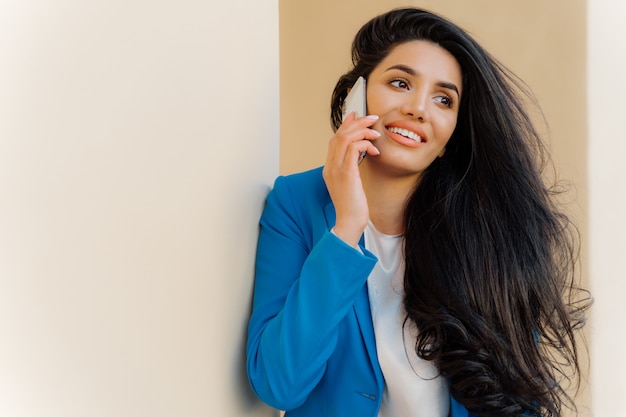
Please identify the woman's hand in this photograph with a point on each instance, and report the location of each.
(342, 177)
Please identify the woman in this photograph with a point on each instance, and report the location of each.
(432, 278)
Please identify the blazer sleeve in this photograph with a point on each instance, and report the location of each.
(303, 289)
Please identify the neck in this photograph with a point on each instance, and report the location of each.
(386, 197)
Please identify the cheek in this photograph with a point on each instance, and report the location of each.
(379, 101)
(447, 125)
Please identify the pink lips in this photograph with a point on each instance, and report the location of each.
(406, 133)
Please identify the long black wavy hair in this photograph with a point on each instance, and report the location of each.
(490, 258)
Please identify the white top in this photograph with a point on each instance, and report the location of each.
(413, 387)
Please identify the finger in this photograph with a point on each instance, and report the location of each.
(370, 118)
(350, 151)
(355, 132)
(371, 134)
(372, 150)
(352, 130)
(356, 149)
(352, 121)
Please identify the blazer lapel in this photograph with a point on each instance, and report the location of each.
(361, 307)
(364, 318)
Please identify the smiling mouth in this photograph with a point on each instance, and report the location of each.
(406, 133)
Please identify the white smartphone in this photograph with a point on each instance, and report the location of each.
(356, 100)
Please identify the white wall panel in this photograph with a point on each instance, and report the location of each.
(607, 203)
(138, 140)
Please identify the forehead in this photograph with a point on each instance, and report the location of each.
(426, 58)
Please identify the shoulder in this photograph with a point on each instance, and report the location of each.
(298, 206)
(307, 179)
(303, 188)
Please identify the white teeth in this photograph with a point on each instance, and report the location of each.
(406, 133)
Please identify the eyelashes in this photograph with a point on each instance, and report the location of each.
(445, 100)
(400, 83)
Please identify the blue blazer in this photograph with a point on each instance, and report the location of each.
(311, 347)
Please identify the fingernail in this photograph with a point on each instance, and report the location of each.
(372, 116)
(376, 132)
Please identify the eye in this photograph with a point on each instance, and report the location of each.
(400, 83)
(445, 100)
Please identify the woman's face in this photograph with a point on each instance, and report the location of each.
(416, 92)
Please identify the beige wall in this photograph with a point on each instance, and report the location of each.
(138, 140)
(544, 42)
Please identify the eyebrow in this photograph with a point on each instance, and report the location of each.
(412, 72)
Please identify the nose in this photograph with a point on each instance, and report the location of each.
(416, 104)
